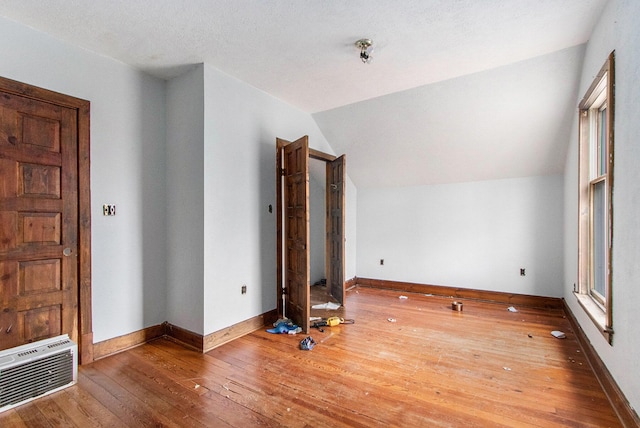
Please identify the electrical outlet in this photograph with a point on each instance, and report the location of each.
(522, 272)
(109, 209)
(244, 289)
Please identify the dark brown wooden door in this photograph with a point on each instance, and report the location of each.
(336, 173)
(296, 231)
(38, 220)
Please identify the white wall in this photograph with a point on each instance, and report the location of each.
(185, 200)
(351, 241)
(617, 30)
(470, 235)
(127, 169)
(241, 126)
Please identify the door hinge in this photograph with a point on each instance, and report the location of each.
(283, 171)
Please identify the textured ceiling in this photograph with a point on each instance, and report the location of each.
(449, 84)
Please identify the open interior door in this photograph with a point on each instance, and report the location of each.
(293, 188)
(336, 172)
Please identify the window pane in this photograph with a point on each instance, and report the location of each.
(598, 262)
(602, 142)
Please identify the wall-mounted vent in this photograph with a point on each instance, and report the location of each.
(36, 369)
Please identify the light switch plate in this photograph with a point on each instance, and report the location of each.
(109, 209)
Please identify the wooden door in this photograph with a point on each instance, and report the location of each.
(38, 220)
(336, 173)
(295, 173)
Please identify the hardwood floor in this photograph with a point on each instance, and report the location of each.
(320, 294)
(432, 367)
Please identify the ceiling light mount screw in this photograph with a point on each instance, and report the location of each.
(366, 49)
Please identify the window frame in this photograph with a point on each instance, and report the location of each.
(599, 96)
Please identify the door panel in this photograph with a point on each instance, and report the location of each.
(296, 231)
(39, 220)
(336, 173)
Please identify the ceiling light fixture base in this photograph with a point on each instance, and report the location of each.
(364, 43)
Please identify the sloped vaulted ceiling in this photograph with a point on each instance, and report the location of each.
(512, 121)
(459, 90)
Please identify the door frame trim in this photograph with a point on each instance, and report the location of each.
(82, 107)
(280, 143)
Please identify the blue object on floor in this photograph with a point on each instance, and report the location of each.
(282, 327)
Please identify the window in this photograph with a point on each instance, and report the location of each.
(596, 208)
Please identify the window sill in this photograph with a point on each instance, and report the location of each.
(596, 314)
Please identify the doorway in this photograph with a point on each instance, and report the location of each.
(45, 217)
(319, 263)
(294, 246)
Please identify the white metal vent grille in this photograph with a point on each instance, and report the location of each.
(37, 369)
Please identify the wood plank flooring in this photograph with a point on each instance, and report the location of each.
(320, 294)
(432, 367)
